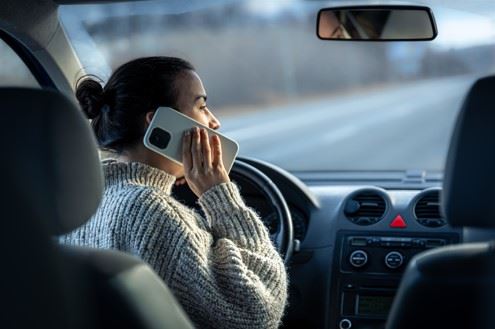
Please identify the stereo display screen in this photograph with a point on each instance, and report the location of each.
(374, 305)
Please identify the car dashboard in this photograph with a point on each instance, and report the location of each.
(352, 244)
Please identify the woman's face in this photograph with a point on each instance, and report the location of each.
(191, 100)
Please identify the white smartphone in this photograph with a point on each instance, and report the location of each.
(166, 130)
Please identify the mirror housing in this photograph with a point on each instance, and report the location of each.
(376, 23)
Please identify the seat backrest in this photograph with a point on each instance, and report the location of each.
(451, 287)
(33, 279)
(53, 185)
(126, 291)
(454, 286)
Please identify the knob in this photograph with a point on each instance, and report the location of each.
(345, 324)
(358, 258)
(394, 259)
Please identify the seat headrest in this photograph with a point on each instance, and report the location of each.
(469, 184)
(50, 154)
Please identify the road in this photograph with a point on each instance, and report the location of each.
(406, 126)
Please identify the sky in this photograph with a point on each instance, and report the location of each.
(462, 29)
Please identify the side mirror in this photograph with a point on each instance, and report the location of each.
(376, 23)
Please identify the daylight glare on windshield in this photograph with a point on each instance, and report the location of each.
(294, 100)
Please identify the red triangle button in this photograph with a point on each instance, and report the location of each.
(398, 222)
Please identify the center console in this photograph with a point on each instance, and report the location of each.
(367, 271)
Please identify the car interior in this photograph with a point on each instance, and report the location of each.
(367, 249)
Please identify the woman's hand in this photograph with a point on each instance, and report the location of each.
(203, 165)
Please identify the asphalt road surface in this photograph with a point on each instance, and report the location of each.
(405, 126)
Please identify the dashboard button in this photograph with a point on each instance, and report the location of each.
(394, 259)
(418, 243)
(358, 258)
(350, 286)
(345, 324)
(398, 222)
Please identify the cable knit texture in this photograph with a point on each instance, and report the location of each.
(223, 268)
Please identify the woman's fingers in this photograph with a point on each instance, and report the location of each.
(217, 152)
(196, 149)
(206, 150)
(200, 156)
(186, 151)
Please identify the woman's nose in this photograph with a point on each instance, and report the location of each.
(214, 122)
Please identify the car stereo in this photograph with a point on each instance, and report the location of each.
(367, 271)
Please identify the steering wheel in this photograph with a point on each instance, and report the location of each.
(283, 238)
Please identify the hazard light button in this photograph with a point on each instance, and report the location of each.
(398, 222)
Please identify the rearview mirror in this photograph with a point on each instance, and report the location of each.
(376, 23)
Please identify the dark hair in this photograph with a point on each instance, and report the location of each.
(118, 109)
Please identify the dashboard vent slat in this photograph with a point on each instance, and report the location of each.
(427, 210)
(365, 208)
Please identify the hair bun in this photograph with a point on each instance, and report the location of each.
(89, 93)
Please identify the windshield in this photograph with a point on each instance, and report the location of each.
(294, 100)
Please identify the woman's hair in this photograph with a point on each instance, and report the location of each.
(118, 109)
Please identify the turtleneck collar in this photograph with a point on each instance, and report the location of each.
(137, 173)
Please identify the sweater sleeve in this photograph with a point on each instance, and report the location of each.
(233, 279)
(230, 218)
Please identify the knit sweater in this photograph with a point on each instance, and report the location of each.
(222, 268)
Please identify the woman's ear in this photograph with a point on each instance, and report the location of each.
(148, 117)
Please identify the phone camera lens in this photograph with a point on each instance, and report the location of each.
(159, 138)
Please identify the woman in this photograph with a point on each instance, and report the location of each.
(222, 267)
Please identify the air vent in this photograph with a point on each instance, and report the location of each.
(365, 208)
(427, 210)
